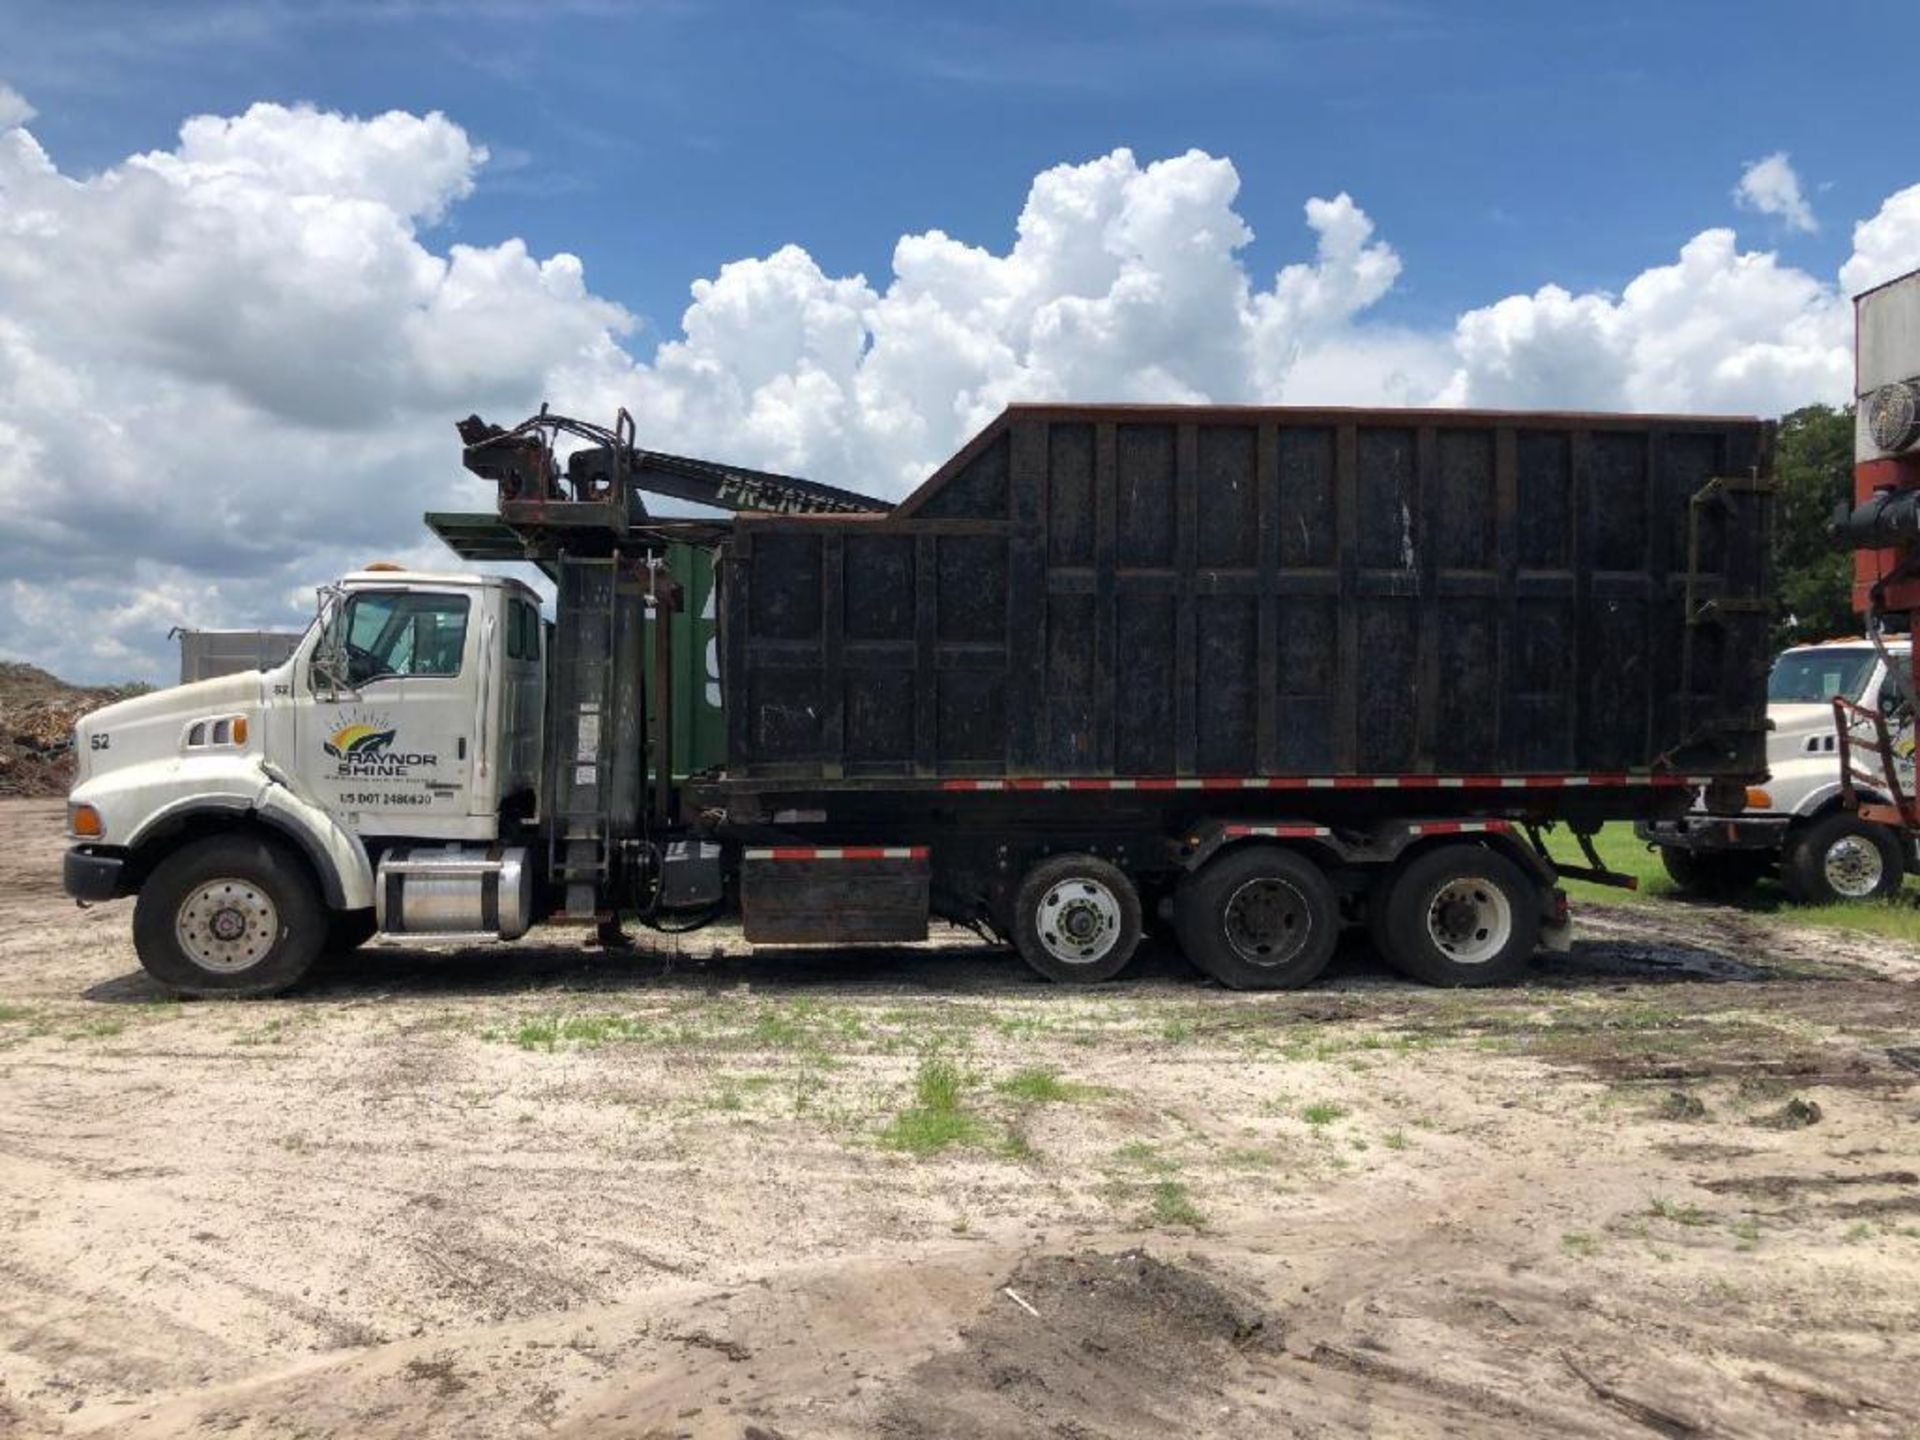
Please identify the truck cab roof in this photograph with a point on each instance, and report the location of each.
(399, 575)
(1900, 644)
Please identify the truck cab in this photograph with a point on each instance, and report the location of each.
(1797, 824)
(255, 814)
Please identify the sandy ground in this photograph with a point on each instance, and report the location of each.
(1667, 1186)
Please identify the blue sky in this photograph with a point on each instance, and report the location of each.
(1499, 145)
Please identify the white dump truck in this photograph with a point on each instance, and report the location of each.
(1797, 824)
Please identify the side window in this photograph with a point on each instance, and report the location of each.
(400, 633)
(523, 632)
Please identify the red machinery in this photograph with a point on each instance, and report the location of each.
(1883, 531)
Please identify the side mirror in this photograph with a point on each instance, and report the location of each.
(330, 664)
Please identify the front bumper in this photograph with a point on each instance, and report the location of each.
(89, 873)
(1702, 833)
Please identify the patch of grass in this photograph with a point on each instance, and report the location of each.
(1857, 1233)
(1579, 1243)
(1023, 1027)
(1746, 1233)
(97, 1029)
(1171, 1203)
(805, 1024)
(937, 1119)
(574, 1032)
(1249, 1158)
(10, 1014)
(1016, 1146)
(1322, 1113)
(1139, 1155)
(1041, 1085)
(273, 1032)
(1678, 1213)
(1394, 1140)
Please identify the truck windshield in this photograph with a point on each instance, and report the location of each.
(1813, 677)
(398, 633)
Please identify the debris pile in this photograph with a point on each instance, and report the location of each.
(37, 715)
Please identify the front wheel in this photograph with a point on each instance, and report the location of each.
(231, 915)
(1841, 857)
(1458, 915)
(1076, 919)
(1721, 875)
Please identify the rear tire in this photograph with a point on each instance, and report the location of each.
(230, 915)
(1076, 919)
(1841, 857)
(1259, 918)
(1458, 915)
(1718, 875)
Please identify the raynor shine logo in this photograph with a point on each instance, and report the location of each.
(363, 744)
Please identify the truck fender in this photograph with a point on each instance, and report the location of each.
(338, 858)
(1822, 798)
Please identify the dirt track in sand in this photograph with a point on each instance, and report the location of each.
(538, 1190)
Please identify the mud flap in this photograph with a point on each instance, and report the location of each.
(1556, 926)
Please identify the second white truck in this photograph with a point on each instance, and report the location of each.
(1796, 825)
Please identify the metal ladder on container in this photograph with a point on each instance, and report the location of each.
(580, 840)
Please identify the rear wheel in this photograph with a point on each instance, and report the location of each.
(1841, 857)
(1458, 915)
(232, 915)
(1259, 918)
(1076, 919)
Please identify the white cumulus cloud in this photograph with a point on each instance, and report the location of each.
(14, 109)
(227, 368)
(1771, 187)
(1123, 282)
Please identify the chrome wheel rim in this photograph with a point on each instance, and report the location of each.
(1268, 921)
(1854, 867)
(1470, 920)
(1079, 921)
(227, 925)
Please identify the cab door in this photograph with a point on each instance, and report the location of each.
(388, 744)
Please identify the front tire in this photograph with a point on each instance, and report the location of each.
(1076, 919)
(230, 915)
(1722, 875)
(1259, 918)
(1458, 915)
(1841, 857)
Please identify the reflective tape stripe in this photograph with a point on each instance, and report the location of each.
(1278, 832)
(1331, 782)
(1458, 827)
(839, 852)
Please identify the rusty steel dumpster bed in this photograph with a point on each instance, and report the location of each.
(1187, 596)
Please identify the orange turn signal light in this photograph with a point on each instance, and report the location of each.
(1758, 799)
(84, 821)
(240, 730)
